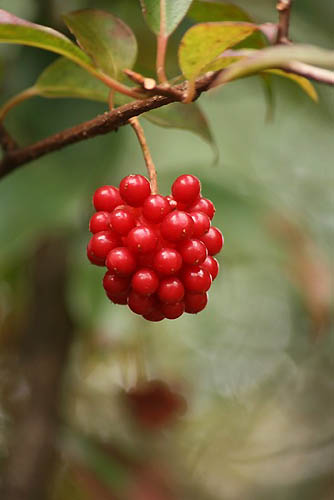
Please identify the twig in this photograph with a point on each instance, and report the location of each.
(284, 10)
(143, 81)
(134, 122)
(102, 124)
(150, 86)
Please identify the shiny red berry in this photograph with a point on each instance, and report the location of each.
(100, 221)
(171, 290)
(119, 298)
(101, 243)
(202, 223)
(186, 189)
(177, 226)
(167, 261)
(145, 281)
(142, 239)
(106, 198)
(195, 279)
(155, 315)
(203, 205)
(134, 189)
(211, 264)
(213, 240)
(173, 311)
(172, 202)
(121, 261)
(92, 257)
(114, 284)
(155, 208)
(195, 302)
(193, 251)
(140, 304)
(122, 221)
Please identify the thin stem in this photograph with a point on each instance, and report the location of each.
(284, 11)
(22, 96)
(152, 173)
(162, 40)
(111, 97)
(111, 83)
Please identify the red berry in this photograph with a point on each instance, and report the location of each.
(122, 221)
(106, 198)
(140, 304)
(114, 284)
(155, 315)
(202, 223)
(167, 261)
(203, 205)
(92, 257)
(121, 261)
(145, 281)
(134, 189)
(173, 311)
(213, 240)
(101, 243)
(193, 251)
(155, 208)
(195, 279)
(186, 189)
(195, 302)
(145, 259)
(177, 226)
(171, 290)
(172, 202)
(211, 265)
(100, 221)
(142, 239)
(119, 298)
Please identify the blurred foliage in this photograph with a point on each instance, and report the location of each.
(256, 367)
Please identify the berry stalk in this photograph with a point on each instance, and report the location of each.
(134, 122)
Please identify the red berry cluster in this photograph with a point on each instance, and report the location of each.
(158, 249)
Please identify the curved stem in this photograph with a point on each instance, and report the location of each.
(22, 96)
(134, 122)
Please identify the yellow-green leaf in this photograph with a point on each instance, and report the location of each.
(304, 83)
(277, 57)
(204, 43)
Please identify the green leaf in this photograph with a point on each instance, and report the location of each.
(206, 11)
(203, 43)
(167, 13)
(203, 11)
(16, 30)
(63, 78)
(276, 57)
(109, 42)
(304, 83)
(186, 117)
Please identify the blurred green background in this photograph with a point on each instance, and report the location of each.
(257, 366)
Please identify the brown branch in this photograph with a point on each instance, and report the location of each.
(284, 10)
(134, 122)
(102, 124)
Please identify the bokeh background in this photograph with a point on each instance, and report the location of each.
(242, 407)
